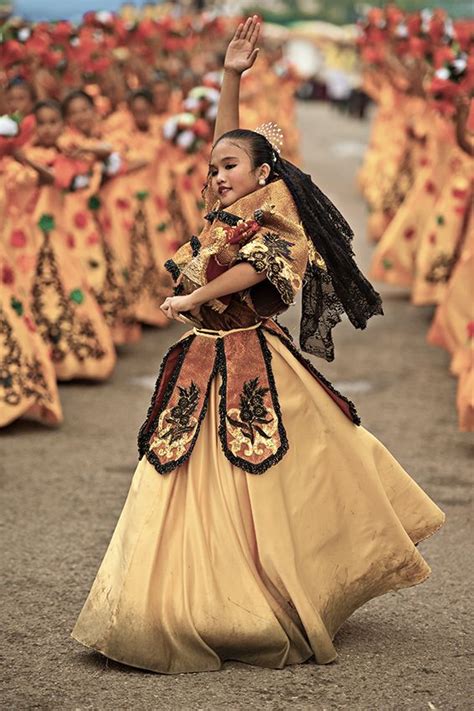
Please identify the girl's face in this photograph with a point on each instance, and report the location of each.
(161, 97)
(231, 173)
(81, 115)
(141, 111)
(19, 100)
(49, 124)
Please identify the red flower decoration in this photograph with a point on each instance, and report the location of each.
(470, 329)
(409, 233)
(106, 223)
(30, 324)
(160, 202)
(432, 238)
(80, 220)
(8, 277)
(17, 238)
(70, 241)
(243, 232)
(459, 193)
(122, 203)
(12, 52)
(187, 183)
(430, 187)
(93, 238)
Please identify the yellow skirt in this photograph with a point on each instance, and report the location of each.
(209, 563)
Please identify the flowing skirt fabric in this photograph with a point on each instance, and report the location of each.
(209, 563)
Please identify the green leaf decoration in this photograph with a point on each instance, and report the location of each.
(440, 219)
(200, 204)
(94, 202)
(17, 306)
(142, 195)
(387, 264)
(77, 295)
(125, 274)
(162, 227)
(46, 223)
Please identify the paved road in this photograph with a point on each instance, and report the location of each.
(63, 491)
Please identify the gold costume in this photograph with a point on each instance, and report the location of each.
(261, 515)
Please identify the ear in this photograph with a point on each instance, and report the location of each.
(264, 171)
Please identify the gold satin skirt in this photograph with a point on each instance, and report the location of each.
(209, 563)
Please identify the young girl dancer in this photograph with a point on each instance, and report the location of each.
(260, 515)
(53, 283)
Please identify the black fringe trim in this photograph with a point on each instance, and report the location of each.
(151, 457)
(233, 459)
(319, 376)
(195, 245)
(171, 266)
(283, 328)
(150, 424)
(227, 217)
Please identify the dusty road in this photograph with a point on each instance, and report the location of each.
(62, 492)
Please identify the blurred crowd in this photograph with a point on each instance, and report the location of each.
(417, 176)
(105, 132)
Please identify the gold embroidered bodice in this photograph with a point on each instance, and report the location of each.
(263, 229)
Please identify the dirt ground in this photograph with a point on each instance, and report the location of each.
(62, 492)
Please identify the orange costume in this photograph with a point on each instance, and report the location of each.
(444, 231)
(50, 278)
(27, 379)
(138, 201)
(394, 257)
(91, 243)
(453, 328)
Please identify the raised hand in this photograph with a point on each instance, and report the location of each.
(241, 52)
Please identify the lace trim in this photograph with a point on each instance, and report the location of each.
(321, 310)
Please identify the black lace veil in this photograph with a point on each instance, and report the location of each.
(326, 295)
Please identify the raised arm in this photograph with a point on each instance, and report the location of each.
(46, 175)
(241, 55)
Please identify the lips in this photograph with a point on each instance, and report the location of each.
(223, 191)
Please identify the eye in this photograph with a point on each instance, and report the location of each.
(229, 166)
(213, 172)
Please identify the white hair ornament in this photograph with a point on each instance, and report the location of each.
(274, 135)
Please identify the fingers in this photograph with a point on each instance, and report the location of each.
(238, 31)
(255, 31)
(247, 29)
(169, 310)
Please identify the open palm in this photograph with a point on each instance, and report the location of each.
(241, 52)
